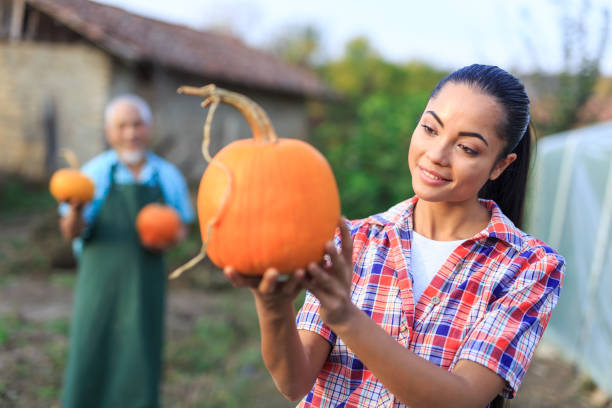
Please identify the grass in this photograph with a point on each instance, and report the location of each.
(222, 358)
(8, 326)
(214, 362)
(4, 280)
(63, 280)
(46, 392)
(18, 196)
(58, 326)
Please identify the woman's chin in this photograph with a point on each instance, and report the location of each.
(428, 193)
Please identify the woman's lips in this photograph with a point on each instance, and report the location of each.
(431, 177)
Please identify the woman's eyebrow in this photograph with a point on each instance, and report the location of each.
(432, 113)
(474, 134)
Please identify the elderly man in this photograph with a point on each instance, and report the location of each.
(117, 329)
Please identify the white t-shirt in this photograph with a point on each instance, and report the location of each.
(427, 257)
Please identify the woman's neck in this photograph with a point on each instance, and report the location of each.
(445, 221)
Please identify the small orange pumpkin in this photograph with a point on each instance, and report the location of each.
(70, 184)
(158, 225)
(264, 202)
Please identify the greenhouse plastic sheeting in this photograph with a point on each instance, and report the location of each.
(570, 208)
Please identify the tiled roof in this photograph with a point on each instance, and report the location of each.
(216, 56)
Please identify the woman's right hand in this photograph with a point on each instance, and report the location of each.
(270, 292)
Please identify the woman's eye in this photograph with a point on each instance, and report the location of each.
(469, 151)
(428, 129)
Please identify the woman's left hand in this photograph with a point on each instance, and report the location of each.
(330, 281)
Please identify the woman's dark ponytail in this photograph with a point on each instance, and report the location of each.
(509, 189)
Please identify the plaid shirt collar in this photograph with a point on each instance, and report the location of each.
(500, 227)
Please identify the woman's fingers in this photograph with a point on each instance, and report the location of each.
(334, 255)
(347, 242)
(318, 276)
(268, 281)
(341, 259)
(238, 280)
(294, 283)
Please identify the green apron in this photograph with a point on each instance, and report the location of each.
(116, 338)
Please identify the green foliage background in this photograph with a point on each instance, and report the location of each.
(365, 132)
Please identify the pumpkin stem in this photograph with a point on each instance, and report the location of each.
(192, 262)
(71, 158)
(256, 117)
(206, 139)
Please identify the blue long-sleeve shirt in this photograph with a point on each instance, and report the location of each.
(170, 179)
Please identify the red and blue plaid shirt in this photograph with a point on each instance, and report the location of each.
(489, 303)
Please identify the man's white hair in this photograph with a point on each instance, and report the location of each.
(136, 101)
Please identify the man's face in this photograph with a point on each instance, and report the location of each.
(127, 132)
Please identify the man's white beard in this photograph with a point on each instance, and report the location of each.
(132, 156)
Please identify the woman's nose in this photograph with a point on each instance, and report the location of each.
(438, 152)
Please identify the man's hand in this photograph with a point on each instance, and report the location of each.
(72, 224)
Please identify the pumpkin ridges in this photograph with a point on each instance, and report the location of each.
(295, 221)
(279, 176)
(212, 215)
(274, 237)
(71, 184)
(258, 197)
(158, 225)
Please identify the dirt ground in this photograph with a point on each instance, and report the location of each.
(35, 307)
(550, 382)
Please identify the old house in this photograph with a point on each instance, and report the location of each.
(61, 60)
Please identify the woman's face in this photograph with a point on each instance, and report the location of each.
(455, 148)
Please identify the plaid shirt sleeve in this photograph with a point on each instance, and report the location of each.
(506, 338)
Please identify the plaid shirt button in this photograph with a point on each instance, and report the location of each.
(435, 300)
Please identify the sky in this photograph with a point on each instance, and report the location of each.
(518, 35)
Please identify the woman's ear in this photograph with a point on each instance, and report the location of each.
(501, 165)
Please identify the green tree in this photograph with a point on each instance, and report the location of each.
(585, 31)
(365, 133)
(298, 45)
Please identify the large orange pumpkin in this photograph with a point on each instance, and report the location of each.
(158, 225)
(267, 201)
(70, 184)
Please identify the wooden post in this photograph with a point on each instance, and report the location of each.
(50, 132)
(17, 16)
(32, 24)
(3, 29)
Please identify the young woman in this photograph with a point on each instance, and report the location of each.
(439, 301)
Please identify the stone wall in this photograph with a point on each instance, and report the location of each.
(39, 82)
(77, 81)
